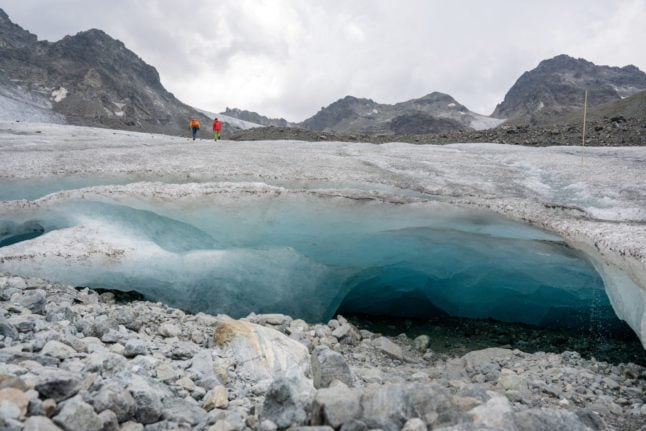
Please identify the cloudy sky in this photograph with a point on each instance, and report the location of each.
(289, 58)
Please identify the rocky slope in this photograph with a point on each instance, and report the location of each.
(614, 131)
(254, 117)
(87, 79)
(433, 113)
(76, 359)
(557, 86)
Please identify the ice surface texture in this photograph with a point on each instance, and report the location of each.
(593, 198)
(307, 255)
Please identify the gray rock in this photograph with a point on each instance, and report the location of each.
(354, 425)
(548, 420)
(131, 426)
(384, 345)
(335, 406)
(389, 407)
(34, 300)
(109, 421)
(287, 402)
(134, 347)
(7, 329)
(40, 423)
(115, 397)
(57, 384)
(422, 342)
(169, 330)
(312, 428)
(58, 350)
(327, 366)
(77, 415)
(182, 411)
(476, 359)
(267, 425)
(414, 424)
(148, 400)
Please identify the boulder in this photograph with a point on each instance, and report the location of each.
(40, 423)
(335, 406)
(13, 403)
(77, 415)
(115, 397)
(258, 352)
(57, 384)
(288, 400)
(34, 300)
(384, 345)
(327, 366)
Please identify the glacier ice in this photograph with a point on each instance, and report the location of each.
(309, 255)
(593, 198)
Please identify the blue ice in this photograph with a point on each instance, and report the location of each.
(311, 256)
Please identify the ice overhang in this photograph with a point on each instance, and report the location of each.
(241, 248)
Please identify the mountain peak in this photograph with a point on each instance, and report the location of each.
(557, 86)
(12, 35)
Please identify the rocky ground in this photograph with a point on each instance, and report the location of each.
(615, 131)
(76, 359)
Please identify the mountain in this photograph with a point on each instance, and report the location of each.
(253, 117)
(433, 113)
(557, 86)
(88, 79)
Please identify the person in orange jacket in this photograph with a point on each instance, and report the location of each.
(194, 126)
(217, 127)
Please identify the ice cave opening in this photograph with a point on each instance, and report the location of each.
(313, 255)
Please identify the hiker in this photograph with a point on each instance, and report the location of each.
(217, 127)
(194, 126)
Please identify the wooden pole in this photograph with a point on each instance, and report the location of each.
(585, 112)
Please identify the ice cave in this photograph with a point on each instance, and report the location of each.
(311, 256)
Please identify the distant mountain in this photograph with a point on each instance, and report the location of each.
(433, 113)
(556, 87)
(88, 79)
(253, 117)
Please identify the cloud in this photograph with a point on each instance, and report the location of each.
(289, 57)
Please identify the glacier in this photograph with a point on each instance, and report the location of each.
(548, 236)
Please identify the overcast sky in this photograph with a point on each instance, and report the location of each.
(289, 58)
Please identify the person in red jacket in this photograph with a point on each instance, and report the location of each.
(217, 127)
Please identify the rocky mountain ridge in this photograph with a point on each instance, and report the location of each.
(557, 86)
(88, 79)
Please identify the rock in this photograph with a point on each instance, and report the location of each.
(509, 381)
(422, 342)
(148, 400)
(13, 403)
(384, 345)
(335, 406)
(169, 330)
(182, 411)
(327, 366)
(7, 329)
(109, 421)
(13, 382)
(476, 359)
(58, 350)
(34, 300)
(216, 398)
(287, 400)
(77, 415)
(259, 353)
(548, 420)
(131, 426)
(415, 424)
(203, 366)
(267, 425)
(134, 347)
(496, 413)
(165, 371)
(40, 423)
(57, 384)
(389, 407)
(115, 397)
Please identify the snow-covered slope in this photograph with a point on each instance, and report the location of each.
(594, 198)
(234, 122)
